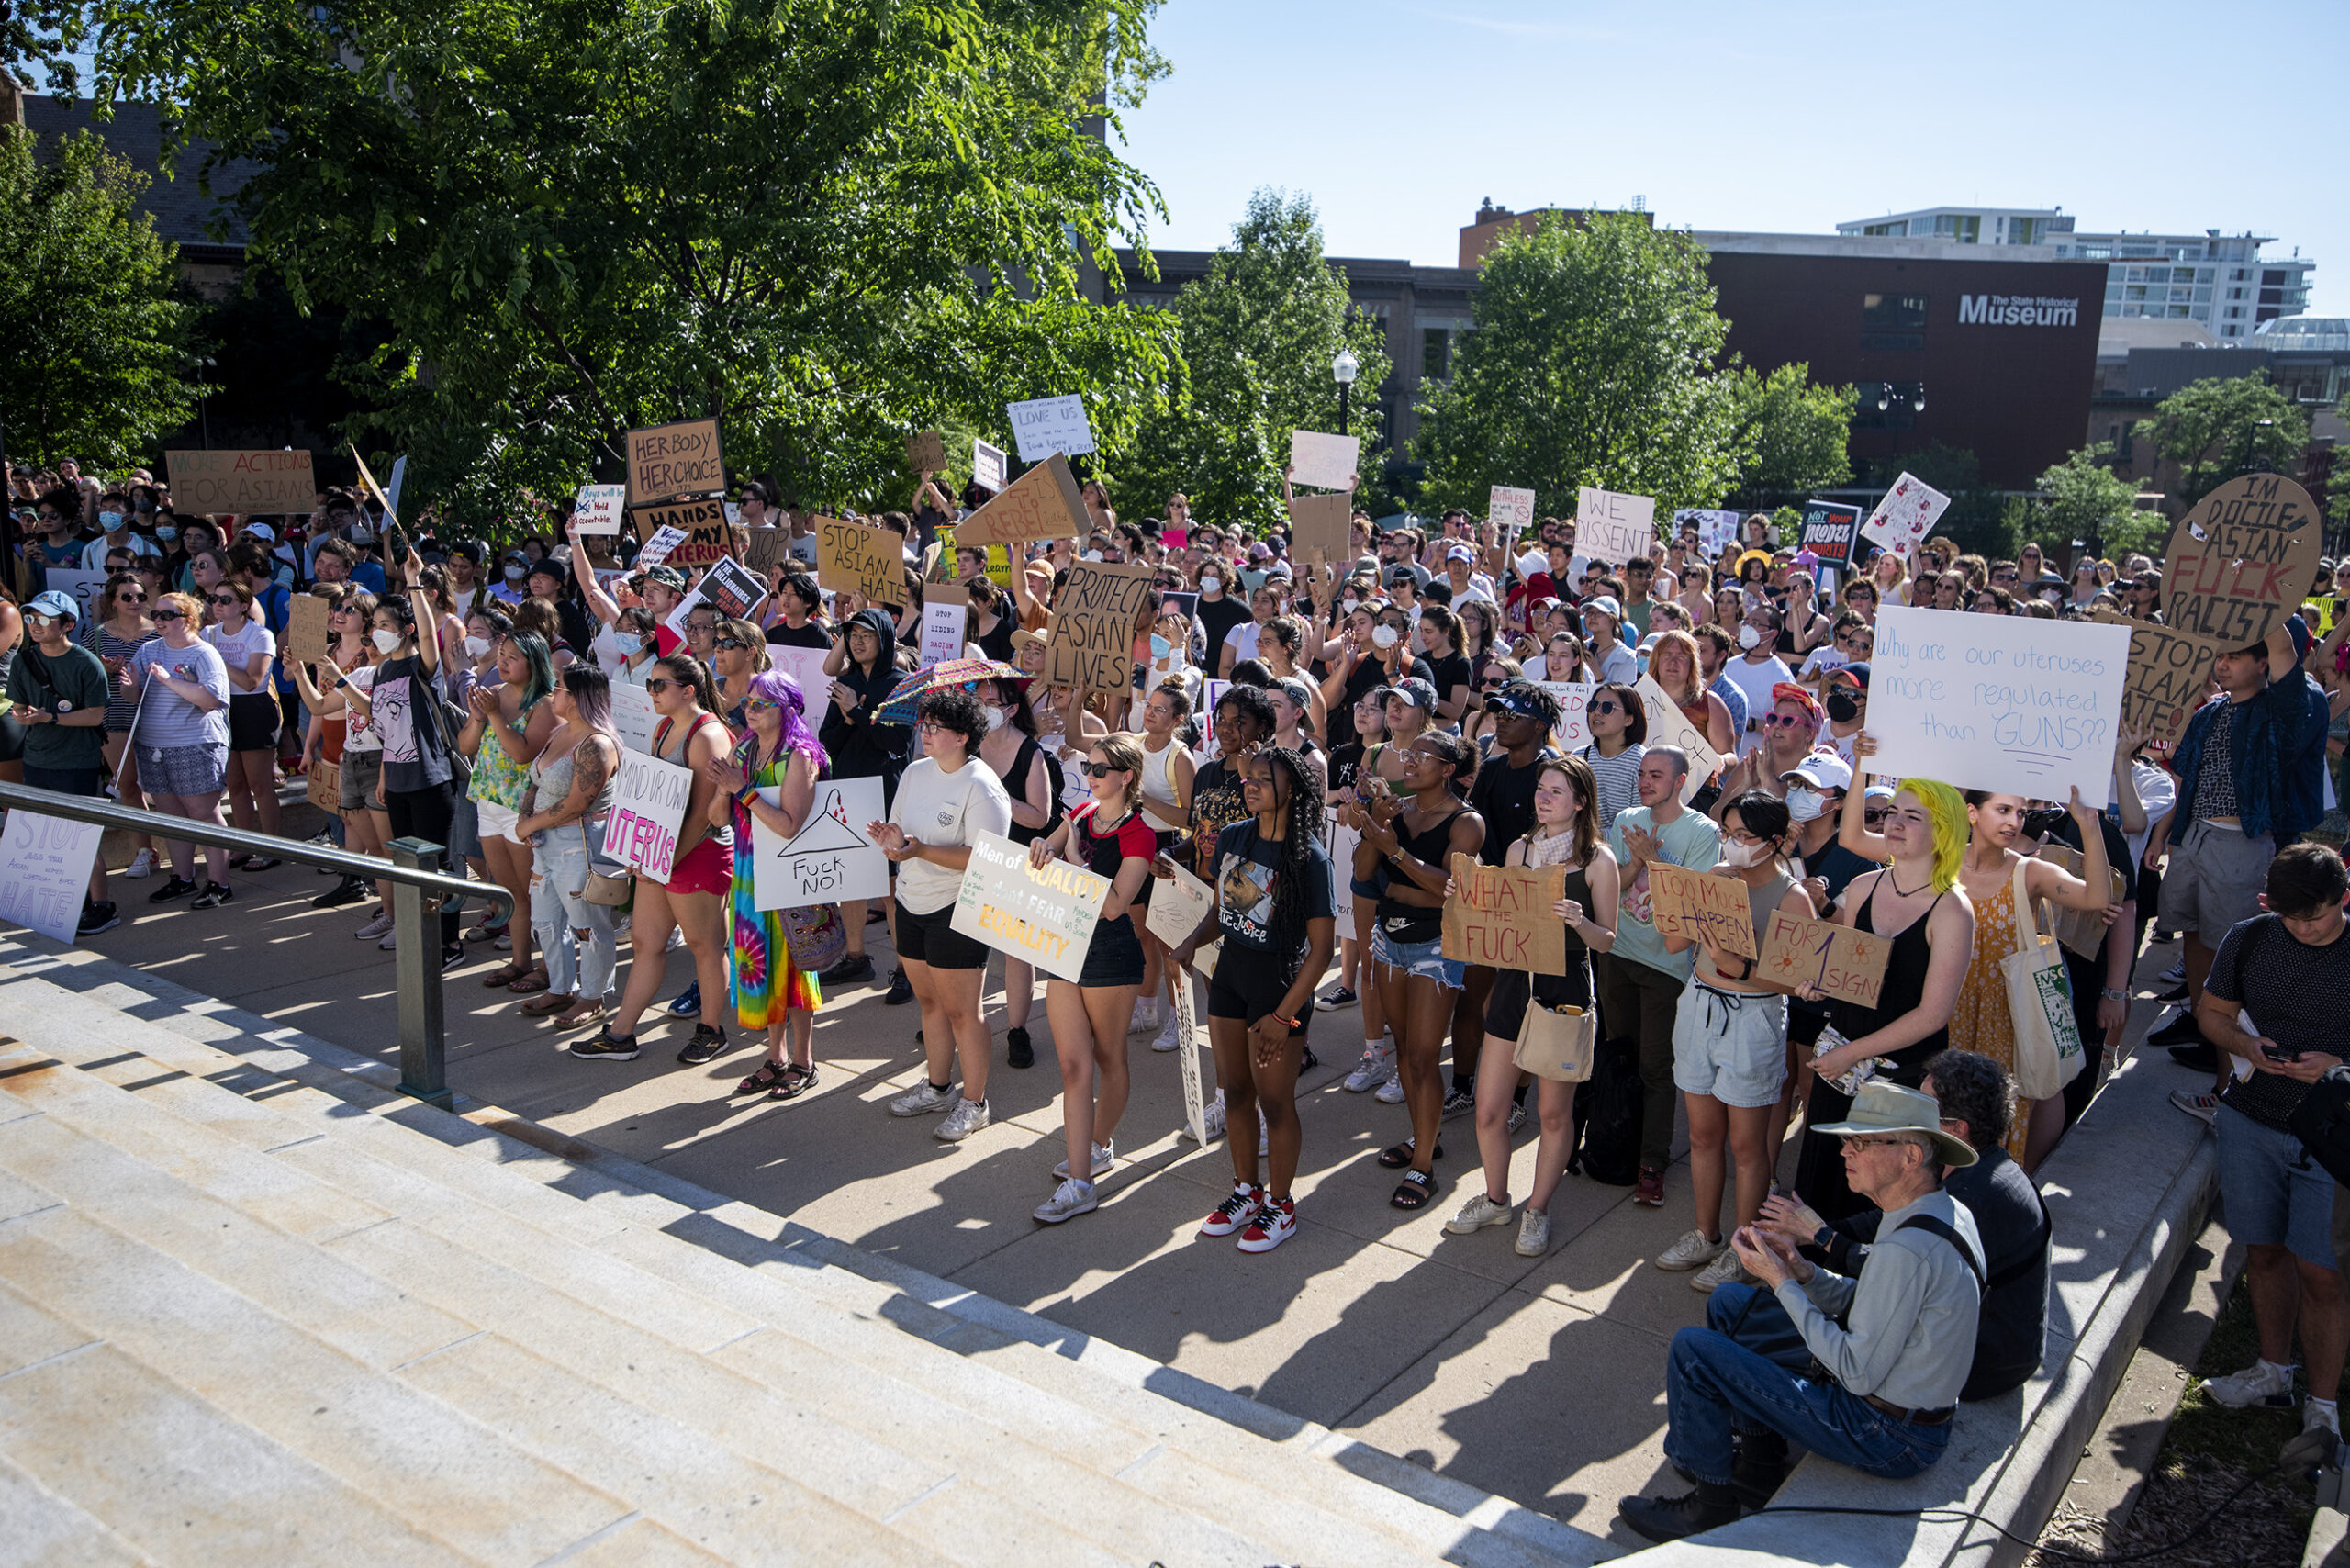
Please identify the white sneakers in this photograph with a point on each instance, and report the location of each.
(2263, 1383)
(1690, 1251)
(1377, 1068)
(142, 864)
(1533, 1233)
(1391, 1091)
(1723, 1271)
(1145, 1016)
(1169, 1036)
(1211, 1118)
(923, 1100)
(1070, 1199)
(1104, 1157)
(1477, 1213)
(1263, 1223)
(379, 926)
(968, 1118)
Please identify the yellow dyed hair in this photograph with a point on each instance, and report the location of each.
(1947, 809)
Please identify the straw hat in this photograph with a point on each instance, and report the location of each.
(1882, 1108)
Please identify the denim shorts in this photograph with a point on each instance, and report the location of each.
(1730, 1045)
(1416, 959)
(2275, 1195)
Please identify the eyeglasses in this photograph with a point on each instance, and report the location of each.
(658, 685)
(1853, 1140)
(928, 727)
(1100, 769)
(759, 705)
(1788, 721)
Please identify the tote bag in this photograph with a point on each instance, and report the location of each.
(1557, 1043)
(2039, 1001)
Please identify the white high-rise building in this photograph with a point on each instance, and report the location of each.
(2218, 280)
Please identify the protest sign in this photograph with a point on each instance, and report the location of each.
(1848, 965)
(649, 800)
(1043, 503)
(325, 786)
(988, 465)
(1903, 518)
(598, 509)
(307, 640)
(763, 547)
(1187, 1043)
(1613, 527)
(2082, 930)
(1700, 905)
(806, 666)
(1667, 726)
(944, 622)
(1325, 462)
(1574, 731)
(2242, 561)
(1093, 643)
(725, 587)
(1998, 703)
(1178, 904)
(45, 872)
(1716, 530)
(1500, 915)
(1046, 916)
(853, 558)
(1323, 523)
(1510, 511)
(1343, 841)
(703, 533)
(633, 716)
(657, 549)
(2169, 676)
(669, 461)
(1185, 604)
(1827, 531)
(87, 589)
(242, 482)
(830, 859)
(926, 452)
(367, 480)
(1044, 426)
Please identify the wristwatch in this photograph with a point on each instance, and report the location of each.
(2111, 995)
(1822, 1236)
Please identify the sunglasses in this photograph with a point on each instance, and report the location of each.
(223, 601)
(658, 685)
(1876, 818)
(1787, 720)
(736, 644)
(1491, 686)
(131, 598)
(759, 705)
(1608, 707)
(1099, 769)
(160, 615)
(1854, 1141)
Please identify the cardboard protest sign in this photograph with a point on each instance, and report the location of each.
(943, 621)
(669, 461)
(2239, 564)
(2082, 930)
(1613, 527)
(853, 558)
(657, 549)
(45, 872)
(1848, 965)
(763, 547)
(926, 452)
(1093, 643)
(307, 640)
(2169, 676)
(1573, 732)
(1500, 915)
(1827, 531)
(325, 790)
(1045, 916)
(649, 800)
(1323, 523)
(1325, 462)
(367, 481)
(1667, 726)
(596, 508)
(1044, 426)
(1716, 530)
(830, 859)
(1903, 518)
(1998, 703)
(707, 535)
(1511, 512)
(633, 716)
(1043, 503)
(989, 466)
(242, 482)
(1700, 905)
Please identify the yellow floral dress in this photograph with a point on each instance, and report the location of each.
(1981, 1022)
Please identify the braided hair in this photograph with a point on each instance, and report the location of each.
(1287, 927)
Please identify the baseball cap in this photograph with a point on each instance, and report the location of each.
(667, 576)
(1605, 604)
(61, 607)
(1460, 552)
(1856, 672)
(1402, 575)
(1260, 550)
(261, 532)
(1877, 792)
(1416, 691)
(1822, 770)
(1296, 691)
(1516, 699)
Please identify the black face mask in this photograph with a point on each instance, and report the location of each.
(1844, 707)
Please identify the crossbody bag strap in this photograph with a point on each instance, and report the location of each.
(1948, 1232)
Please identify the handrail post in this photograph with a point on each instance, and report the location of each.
(416, 927)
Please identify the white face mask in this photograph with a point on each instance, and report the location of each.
(475, 647)
(997, 719)
(1739, 855)
(1748, 637)
(359, 534)
(1382, 637)
(1210, 585)
(1805, 803)
(387, 641)
(516, 574)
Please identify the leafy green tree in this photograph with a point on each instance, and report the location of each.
(1978, 519)
(824, 225)
(2085, 499)
(1789, 433)
(1591, 362)
(2214, 427)
(95, 336)
(1258, 334)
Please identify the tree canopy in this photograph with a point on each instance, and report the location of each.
(2086, 499)
(1789, 434)
(2214, 427)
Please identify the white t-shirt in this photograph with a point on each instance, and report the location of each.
(236, 652)
(358, 735)
(2158, 792)
(946, 809)
(1242, 641)
(1755, 681)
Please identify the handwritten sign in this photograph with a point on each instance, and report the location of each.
(657, 549)
(1511, 512)
(1043, 503)
(45, 872)
(1178, 904)
(649, 800)
(2169, 676)
(325, 786)
(669, 461)
(242, 482)
(764, 547)
(806, 666)
(1716, 529)
(853, 558)
(1574, 731)
(830, 859)
(1044, 426)
(1500, 915)
(1045, 916)
(989, 466)
(925, 453)
(597, 508)
(706, 535)
(1699, 905)
(633, 716)
(1093, 643)
(2242, 561)
(943, 624)
(1827, 531)
(1325, 462)
(1613, 527)
(1996, 702)
(1667, 726)
(1903, 518)
(2082, 930)
(1848, 965)
(1323, 523)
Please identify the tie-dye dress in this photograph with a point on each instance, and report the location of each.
(764, 983)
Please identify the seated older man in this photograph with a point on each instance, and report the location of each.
(1875, 1378)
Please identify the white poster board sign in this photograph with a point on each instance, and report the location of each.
(806, 665)
(1903, 518)
(648, 806)
(943, 623)
(633, 716)
(1042, 426)
(598, 508)
(1669, 727)
(2000, 702)
(45, 872)
(1613, 527)
(830, 859)
(1511, 512)
(988, 465)
(1716, 529)
(1046, 916)
(1178, 904)
(88, 592)
(1343, 840)
(657, 549)
(1325, 462)
(1573, 733)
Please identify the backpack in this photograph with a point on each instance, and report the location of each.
(2321, 1121)
(1604, 1142)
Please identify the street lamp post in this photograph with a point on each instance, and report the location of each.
(1343, 370)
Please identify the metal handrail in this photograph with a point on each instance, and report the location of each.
(418, 889)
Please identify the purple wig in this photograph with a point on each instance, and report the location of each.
(782, 689)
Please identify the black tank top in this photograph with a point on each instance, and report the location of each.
(1413, 922)
(1904, 989)
(1016, 786)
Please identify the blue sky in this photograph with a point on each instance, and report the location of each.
(1399, 118)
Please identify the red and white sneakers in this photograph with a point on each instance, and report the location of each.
(1235, 1211)
(1276, 1221)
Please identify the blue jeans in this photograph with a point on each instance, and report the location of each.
(1755, 1381)
(580, 966)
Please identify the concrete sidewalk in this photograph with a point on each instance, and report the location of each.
(1538, 1380)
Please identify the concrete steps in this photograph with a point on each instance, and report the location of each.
(254, 1315)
